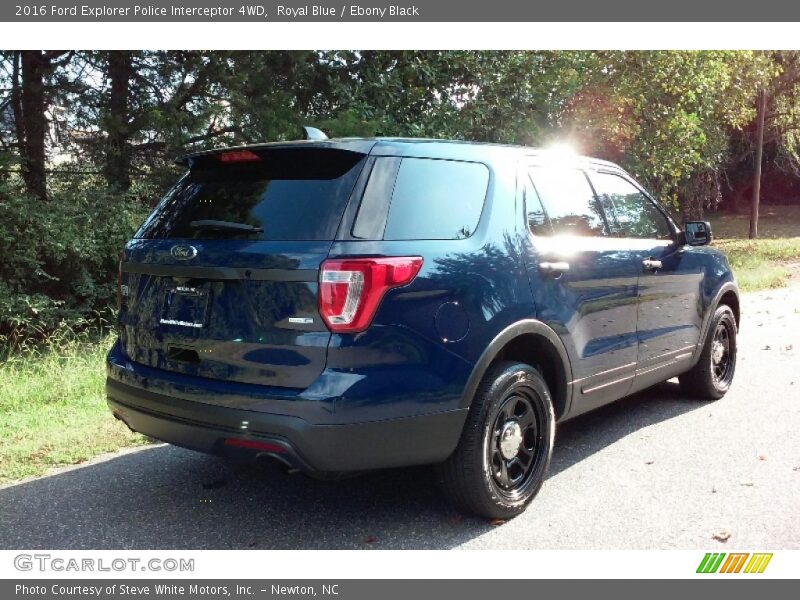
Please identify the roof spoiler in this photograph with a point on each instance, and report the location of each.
(309, 133)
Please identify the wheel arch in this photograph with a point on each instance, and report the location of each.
(728, 294)
(731, 298)
(535, 343)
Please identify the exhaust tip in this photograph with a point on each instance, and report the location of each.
(277, 460)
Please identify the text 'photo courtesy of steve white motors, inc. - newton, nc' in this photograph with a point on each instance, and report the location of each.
(171, 590)
(281, 11)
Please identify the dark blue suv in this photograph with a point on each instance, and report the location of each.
(355, 304)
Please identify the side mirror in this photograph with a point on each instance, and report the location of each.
(698, 233)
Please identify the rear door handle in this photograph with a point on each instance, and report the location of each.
(556, 269)
(651, 264)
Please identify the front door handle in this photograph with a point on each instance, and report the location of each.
(651, 264)
(555, 269)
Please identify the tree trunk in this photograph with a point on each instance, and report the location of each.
(34, 123)
(116, 121)
(16, 105)
(762, 106)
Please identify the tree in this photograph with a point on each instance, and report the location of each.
(31, 68)
(762, 109)
(138, 109)
(778, 111)
(268, 96)
(115, 119)
(671, 117)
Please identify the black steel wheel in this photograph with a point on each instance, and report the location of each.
(722, 362)
(712, 375)
(515, 450)
(505, 448)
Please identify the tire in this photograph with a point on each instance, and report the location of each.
(711, 377)
(484, 477)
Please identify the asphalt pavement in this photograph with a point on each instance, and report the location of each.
(657, 470)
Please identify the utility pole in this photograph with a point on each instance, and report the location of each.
(761, 109)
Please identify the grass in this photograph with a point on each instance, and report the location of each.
(763, 263)
(769, 261)
(52, 406)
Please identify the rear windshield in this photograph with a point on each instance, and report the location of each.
(290, 194)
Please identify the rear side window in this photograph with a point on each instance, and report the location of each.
(422, 199)
(569, 201)
(291, 195)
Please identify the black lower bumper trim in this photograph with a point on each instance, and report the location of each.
(423, 439)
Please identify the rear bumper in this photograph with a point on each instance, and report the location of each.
(223, 430)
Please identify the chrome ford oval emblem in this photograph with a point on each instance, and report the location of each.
(183, 252)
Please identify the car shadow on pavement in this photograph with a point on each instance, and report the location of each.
(582, 436)
(163, 497)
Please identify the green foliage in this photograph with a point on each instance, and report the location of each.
(682, 106)
(769, 261)
(52, 403)
(763, 263)
(59, 259)
(667, 116)
(783, 91)
(349, 123)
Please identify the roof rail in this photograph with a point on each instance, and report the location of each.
(312, 133)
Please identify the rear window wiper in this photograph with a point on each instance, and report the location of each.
(225, 226)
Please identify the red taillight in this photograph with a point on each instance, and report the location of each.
(351, 289)
(236, 156)
(254, 445)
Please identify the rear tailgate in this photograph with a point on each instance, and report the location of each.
(239, 305)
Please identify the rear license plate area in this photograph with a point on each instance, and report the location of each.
(186, 306)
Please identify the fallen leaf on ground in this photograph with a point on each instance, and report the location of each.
(370, 539)
(649, 462)
(762, 457)
(722, 536)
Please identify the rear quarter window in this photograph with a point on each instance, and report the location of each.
(422, 199)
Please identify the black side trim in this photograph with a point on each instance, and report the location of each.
(526, 326)
(306, 275)
(606, 379)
